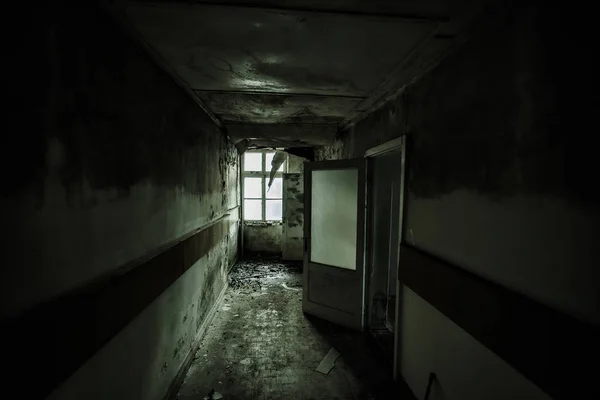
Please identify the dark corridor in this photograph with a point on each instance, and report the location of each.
(127, 201)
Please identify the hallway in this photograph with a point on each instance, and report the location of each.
(261, 346)
(426, 169)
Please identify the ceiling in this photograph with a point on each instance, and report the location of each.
(291, 72)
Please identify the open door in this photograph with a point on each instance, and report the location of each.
(334, 217)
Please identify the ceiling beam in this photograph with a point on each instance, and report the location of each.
(296, 134)
(261, 92)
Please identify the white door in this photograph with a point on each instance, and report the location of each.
(334, 218)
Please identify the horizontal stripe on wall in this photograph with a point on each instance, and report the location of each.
(48, 343)
(554, 350)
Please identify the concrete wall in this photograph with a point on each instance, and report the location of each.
(262, 238)
(292, 243)
(382, 265)
(497, 184)
(115, 161)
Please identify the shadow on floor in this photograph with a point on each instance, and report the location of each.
(365, 358)
(261, 346)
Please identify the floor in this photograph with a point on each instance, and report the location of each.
(261, 346)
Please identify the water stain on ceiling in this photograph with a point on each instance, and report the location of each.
(254, 64)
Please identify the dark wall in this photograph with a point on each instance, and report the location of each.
(107, 166)
(292, 243)
(498, 180)
(262, 238)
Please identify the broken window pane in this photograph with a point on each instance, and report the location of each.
(273, 209)
(252, 187)
(276, 190)
(253, 162)
(252, 209)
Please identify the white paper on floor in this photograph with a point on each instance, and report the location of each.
(328, 361)
(213, 395)
(288, 288)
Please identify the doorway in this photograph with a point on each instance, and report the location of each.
(334, 236)
(384, 205)
(351, 248)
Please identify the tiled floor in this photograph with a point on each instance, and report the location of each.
(261, 346)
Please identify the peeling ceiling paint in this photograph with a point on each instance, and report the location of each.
(283, 135)
(312, 66)
(270, 109)
(229, 48)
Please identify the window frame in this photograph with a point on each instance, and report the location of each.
(264, 175)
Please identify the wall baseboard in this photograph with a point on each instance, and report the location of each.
(189, 358)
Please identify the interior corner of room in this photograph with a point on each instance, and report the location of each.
(303, 199)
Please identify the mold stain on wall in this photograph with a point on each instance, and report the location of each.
(293, 218)
(116, 162)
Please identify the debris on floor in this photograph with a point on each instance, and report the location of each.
(289, 288)
(265, 347)
(212, 395)
(256, 275)
(328, 362)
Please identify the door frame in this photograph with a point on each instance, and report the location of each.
(387, 147)
(360, 165)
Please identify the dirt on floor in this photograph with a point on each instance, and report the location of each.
(261, 346)
(256, 275)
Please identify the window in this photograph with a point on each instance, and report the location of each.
(262, 203)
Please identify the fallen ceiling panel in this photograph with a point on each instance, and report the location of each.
(278, 108)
